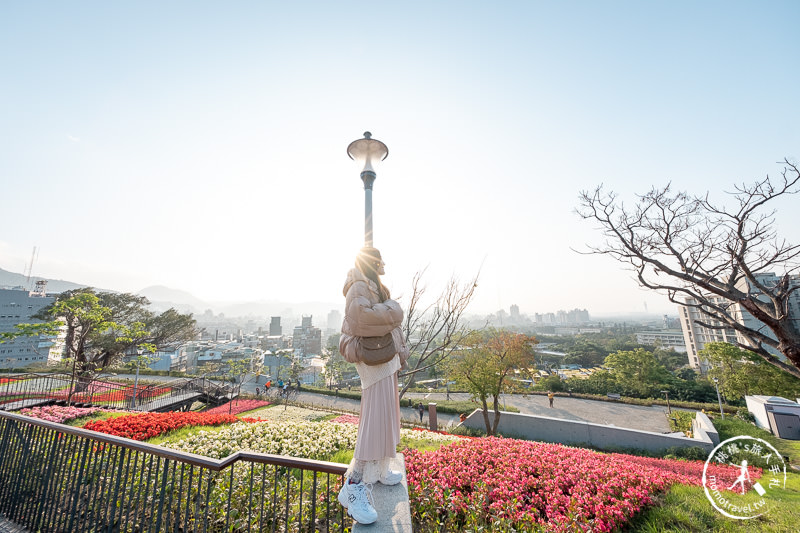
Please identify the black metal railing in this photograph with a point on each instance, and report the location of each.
(28, 390)
(163, 396)
(56, 478)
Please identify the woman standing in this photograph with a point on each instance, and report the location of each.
(369, 312)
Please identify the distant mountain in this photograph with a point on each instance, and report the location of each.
(11, 279)
(159, 294)
(162, 298)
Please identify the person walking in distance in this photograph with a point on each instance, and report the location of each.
(421, 410)
(550, 396)
(370, 312)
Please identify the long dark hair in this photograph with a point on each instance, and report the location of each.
(366, 263)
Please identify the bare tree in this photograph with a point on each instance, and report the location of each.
(434, 330)
(693, 248)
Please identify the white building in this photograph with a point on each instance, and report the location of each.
(779, 416)
(696, 336)
(17, 306)
(666, 338)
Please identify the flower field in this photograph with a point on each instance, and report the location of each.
(311, 440)
(291, 413)
(466, 484)
(147, 425)
(529, 485)
(345, 419)
(236, 406)
(60, 414)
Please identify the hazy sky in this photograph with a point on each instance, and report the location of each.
(201, 145)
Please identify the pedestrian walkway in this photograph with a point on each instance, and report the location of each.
(408, 415)
(623, 415)
(7, 526)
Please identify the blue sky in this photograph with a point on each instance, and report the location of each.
(202, 146)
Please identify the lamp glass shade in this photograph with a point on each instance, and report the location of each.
(367, 152)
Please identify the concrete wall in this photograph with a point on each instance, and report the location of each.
(544, 428)
(760, 405)
(756, 406)
(702, 425)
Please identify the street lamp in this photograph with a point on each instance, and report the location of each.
(719, 399)
(136, 381)
(666, 393)
(367, 151)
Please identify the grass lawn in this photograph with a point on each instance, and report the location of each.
(731, 427)
(182, 433)
(686, 509)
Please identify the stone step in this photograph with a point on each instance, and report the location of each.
(391, 503)
(7, 526)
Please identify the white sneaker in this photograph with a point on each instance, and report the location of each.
(355, 497)
(391, 477)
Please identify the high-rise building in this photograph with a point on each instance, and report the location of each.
(17, 306)
(306, 339)
(275, 326)
(697, 336)
(334, 320)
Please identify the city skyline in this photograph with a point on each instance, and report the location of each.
(203, 148)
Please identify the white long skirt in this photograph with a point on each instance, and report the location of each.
(378, 429)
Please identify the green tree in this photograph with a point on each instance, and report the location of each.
(731, 366)
(600, 382)
(551, 382)
(335, 366)
(485, 363)
(637, 372)
(585, 353)
(741, 373)
(295, 369)
(101, 327)
(669, 358)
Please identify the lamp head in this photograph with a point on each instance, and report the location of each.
(367, 151)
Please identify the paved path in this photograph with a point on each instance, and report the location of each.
(595, 411)
(7, 526)
(336, 403)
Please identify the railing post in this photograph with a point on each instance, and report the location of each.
(117, 485)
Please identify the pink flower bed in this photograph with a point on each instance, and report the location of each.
(57, 413)
(520, 484)
(346, 419)
(236, 407)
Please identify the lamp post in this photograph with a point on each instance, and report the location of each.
(666, 393)
(368, 151)
(136, 381)
(719, 399)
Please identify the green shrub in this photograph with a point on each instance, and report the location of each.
(681, 421)
(693, 453)
(468, 432)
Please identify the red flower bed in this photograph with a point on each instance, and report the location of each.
(236, 406)
(520, 483)
(7, 380)
(146, 425)
(346, 419)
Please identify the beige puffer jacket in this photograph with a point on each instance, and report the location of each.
(364, 314)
